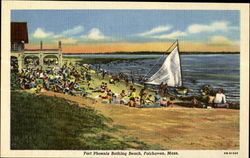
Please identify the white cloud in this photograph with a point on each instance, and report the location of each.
(94, 34)
(220, 40)
(40, 33)
(215, 26)
(172, 35)
(73, 31)
(70, 36)
(155, 30)
(70, 32)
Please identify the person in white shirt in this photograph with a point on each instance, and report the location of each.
(220, 100)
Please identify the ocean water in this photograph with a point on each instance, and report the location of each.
(216, 70)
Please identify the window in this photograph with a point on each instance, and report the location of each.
(17, 46)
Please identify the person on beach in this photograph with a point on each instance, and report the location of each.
(133, 93)
(111, 80)
(145, 87)
(117, 100)
(137, 101)
(210, 100)
(103, 74)
(143, 98)
(32, 83)
(164, 102)
(103, 96)
(205, 91)
(109, 92)
(46, 85)
(106, 87)
(108, 98)
(88, 77)
(113, 98)
(165, 89)
(170, 103)
(130, 90)
(142, 91)
(114, 79)
(149, 99)
(126, 81)
(220, 100)
(203, 96)
(194, 101)
(122, 95)
(161, 89)
(131, 102)
(102, 86)
(132, 80)
(157, 97)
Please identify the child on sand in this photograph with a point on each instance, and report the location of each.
(170, 103)
(137, 101)
(131, 102)
(149, 99)
(164, 102)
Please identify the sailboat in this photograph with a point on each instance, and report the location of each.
(170, 71)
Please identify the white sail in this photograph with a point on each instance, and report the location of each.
(170, 71)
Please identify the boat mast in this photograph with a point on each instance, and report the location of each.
(180, 61)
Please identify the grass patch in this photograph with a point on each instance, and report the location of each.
(51, 123)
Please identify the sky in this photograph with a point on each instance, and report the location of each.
(97, 31)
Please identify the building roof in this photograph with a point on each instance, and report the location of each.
(19, 32)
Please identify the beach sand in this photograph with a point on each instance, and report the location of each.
(169, 128)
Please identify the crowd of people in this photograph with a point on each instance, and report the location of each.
(131, 97)
(64, 80)
(69, 80)
(211, 98)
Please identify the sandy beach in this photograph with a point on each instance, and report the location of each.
(170, 128)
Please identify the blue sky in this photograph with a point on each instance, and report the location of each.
(93, 26)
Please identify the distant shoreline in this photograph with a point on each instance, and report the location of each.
(149, 53)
